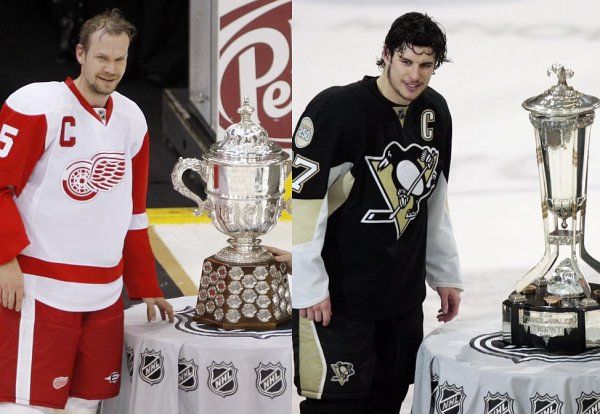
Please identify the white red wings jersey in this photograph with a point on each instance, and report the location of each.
(72, 196)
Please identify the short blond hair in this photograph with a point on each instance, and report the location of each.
(111, 22)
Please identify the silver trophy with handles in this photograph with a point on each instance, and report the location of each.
(242, 286)
(554, 306)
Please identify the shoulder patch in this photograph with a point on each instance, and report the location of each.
(305, 133)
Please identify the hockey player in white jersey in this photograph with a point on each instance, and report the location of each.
(73, 183)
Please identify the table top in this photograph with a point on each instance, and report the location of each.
(184, 330)
(477, 342)
(465, 367)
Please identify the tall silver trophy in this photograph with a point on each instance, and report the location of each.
(242, 286)
(553, 305)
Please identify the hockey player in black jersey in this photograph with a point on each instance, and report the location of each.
(371, 164)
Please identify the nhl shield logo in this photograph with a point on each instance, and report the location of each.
(544, 404)
(498, 404)
(588, 403)
(152, 369)
(129, 360)
(270, 379)
(222, 378)
(449, 400)
(188, 375)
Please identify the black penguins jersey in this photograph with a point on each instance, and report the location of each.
(369, 187)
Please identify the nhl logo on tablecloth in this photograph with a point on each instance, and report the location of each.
(222, 378)
(544, 404)
(270, 379)
(188, 375)
(588, 403)
(498, 403)
(450, 399)
(152, 369)
(129, 360)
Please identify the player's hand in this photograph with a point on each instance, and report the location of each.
(449, 302)
(321, 312)
(164, 307)
(11, 285)
(281, 256)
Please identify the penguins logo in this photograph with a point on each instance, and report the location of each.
(343, 371)
(405, 176)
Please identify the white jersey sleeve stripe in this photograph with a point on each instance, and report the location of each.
(312, 285)
(25, 354)
(139, 221)
(442, 264)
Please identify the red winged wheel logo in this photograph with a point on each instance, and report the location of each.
(83, 179)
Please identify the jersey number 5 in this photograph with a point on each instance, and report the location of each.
(7, 136)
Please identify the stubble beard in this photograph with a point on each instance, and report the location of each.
(397, 90)
(96, 88)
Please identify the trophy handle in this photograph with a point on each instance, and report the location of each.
(287, 204)
(182, 166)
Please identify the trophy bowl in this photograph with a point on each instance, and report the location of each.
(242, 286)
(244, 202)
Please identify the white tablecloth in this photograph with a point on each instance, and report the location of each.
(464, 367)
(190, 368)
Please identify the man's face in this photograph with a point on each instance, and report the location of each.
(408, 72)
(104, 62)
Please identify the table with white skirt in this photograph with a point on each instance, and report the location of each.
(186, 367)
(464, 367)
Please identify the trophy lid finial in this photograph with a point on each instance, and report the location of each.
(561, 72)
(246, 142)
(561, 100)
(246, 110)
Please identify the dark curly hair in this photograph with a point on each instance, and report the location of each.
(416, 29)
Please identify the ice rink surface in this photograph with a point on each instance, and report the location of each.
(500, 51)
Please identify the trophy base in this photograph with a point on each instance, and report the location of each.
(537, 319)
(252, 296)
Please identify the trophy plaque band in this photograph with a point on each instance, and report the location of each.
(567, 326)
(247, 296)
